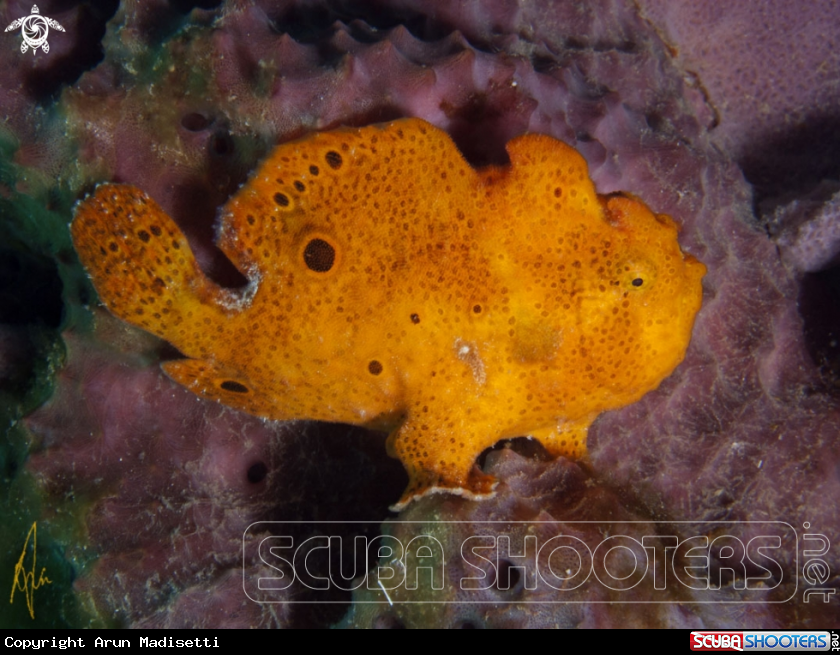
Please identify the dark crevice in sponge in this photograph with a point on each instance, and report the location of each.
(793, 163)
(819, 306)
(30, 289)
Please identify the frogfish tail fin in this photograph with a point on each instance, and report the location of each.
(141, 264)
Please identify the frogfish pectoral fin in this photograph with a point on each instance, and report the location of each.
(567, 439)
(434, 466)
(142, 266)
(229, 386)
(214, 382)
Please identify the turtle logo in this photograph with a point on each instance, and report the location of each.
(34, 29)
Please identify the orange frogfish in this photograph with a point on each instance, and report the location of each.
(394, 286)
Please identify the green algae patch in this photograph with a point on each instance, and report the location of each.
(43, 291)
(35, 212)
(33, 553)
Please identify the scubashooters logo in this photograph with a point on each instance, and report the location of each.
(35, 29)
(793, 640)
(815, 569)
(433, 562)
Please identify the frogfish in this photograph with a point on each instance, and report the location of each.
(394, 286)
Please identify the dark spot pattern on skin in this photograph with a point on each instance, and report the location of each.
(233, 386)
(319, 256)
(334, 160)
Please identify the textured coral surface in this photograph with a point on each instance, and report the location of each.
(160, 485)
(770, 71)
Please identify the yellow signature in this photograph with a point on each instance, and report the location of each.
(25, 580)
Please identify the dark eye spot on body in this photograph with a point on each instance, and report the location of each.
(235, 387)
(319, 256)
